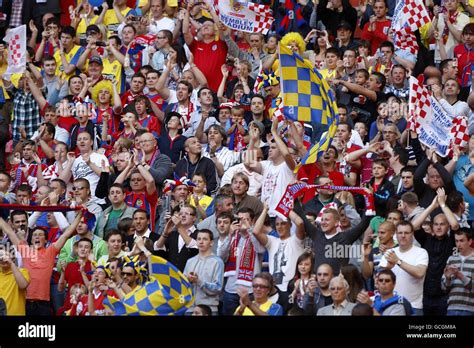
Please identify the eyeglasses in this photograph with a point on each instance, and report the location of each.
(127, 274)
(260, 286)
(336, 289)
(74, 188)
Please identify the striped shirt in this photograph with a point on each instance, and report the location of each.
(461, 294)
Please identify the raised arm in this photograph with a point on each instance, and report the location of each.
(188, 37)
(298, 221)
(68, 233)
(355, 88)
(6, 228)
(258, 231)
(290, 162)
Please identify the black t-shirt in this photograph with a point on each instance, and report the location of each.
(365, 107)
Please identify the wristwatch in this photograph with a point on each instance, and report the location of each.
(399, 262)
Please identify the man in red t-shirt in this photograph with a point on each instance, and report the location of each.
(208, 52)
(376, 31)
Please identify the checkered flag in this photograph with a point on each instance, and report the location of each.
(459, 133)
(408, 16)
(16, 39)
(420, 103)
(405, 39)
(231, 12)
(416, 14)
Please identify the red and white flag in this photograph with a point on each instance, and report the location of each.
(408, 16)
(16, 39)
(244, 15)
(419, 105)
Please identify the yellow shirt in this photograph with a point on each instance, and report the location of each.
(111, 21)
(72, 57)
(114, 69)
(204, 202)
(263, 307)
(326, 74)
(14, 298)
(82, 26)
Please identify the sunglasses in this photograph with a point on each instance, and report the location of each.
(127, 274)
(260, 286)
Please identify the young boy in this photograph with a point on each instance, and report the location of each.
(383, 188)
(206, 272)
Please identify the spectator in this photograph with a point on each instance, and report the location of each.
(458, 275)
(340, 306)
(14, 282)
(262, 284)
(206, 272)
(409, 264)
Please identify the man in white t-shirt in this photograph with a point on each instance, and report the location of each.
(277, 171)
(283, 251)
(159, 21)
(409, 263)
(88, 165)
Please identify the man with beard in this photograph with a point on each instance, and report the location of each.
(39, 261)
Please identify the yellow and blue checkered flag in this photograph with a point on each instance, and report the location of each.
(168, 292)
(307, 97)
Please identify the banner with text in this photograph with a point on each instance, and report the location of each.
(244, 15)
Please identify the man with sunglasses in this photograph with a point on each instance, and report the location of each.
(387, 301)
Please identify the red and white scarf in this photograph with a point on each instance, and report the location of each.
(246, 264)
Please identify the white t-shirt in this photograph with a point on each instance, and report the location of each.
(282, 257)
(81, 170)
(275, 181)
(408, 286)
(164, 23)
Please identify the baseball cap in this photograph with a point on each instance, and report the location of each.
(92, 29)
(96, 59)
(345, 25)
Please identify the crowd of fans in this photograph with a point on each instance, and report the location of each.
(169, 147)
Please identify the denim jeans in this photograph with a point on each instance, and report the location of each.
(454, 312)
(418, 312)
(230, 302)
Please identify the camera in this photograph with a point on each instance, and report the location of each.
(100, 44)
(237, 218)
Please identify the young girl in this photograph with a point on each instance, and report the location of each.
(237, 129)
(302, 277)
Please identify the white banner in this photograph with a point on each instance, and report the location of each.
(244, 15)
(16, 39)
(435, 131)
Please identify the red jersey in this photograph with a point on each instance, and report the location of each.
(99, 296)
(128, 97)
(142, 200)
(379, 35)
(208, 56)
(114, 121)
(72, 276)
(151, 123)
(465, 57)
(309, 173)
